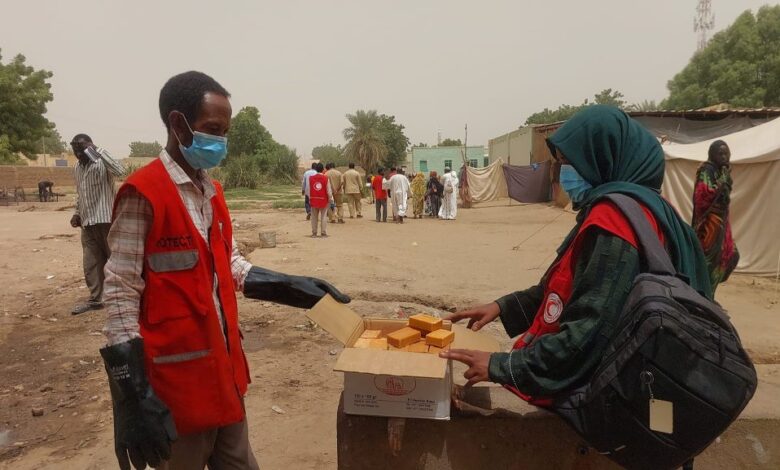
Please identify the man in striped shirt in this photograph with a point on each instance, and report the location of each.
(95, 193)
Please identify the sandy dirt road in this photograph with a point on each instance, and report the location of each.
(49, 360)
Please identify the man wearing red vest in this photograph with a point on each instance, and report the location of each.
(174, 358)
(320, 197)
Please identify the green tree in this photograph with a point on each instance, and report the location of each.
(610, 98)
(394, 139)
(740, 66)
(330, 153)
(451, 143)
(51, 143)
(644, 106)
(24, 93)
(145, 149)
(247, 136)
(7, 156)
(607, 96)
(365, 142)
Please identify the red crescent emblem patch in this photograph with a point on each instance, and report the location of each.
(553, 307)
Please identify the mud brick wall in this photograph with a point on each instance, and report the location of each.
(28, 177)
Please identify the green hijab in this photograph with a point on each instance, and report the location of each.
(615, 154)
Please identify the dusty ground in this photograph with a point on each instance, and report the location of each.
(49, 359)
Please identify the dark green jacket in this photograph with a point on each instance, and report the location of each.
(603, 276)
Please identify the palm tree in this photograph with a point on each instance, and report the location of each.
(365, 144)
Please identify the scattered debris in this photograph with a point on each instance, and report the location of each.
(277, 410)
(46, 388)
(49, 277)
(333, 352)
(37, 412)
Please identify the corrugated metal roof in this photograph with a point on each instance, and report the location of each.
(704, 113)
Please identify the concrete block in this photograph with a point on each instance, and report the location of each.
(493, 429)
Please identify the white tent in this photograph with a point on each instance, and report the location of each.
(755, 198)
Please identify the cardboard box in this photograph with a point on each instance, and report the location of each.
(383, 382)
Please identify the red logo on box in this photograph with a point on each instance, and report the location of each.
(391, 385)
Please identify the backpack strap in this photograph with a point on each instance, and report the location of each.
(658, 261)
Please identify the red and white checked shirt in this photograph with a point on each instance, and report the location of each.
(133, 218)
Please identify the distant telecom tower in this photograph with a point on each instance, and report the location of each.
(704, 22)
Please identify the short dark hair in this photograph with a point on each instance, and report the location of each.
(351, 165)
(184, 93)
(392, 169)
(380, 170)
(81, 137)
(328, 166)
(313, 165)
(319, 167)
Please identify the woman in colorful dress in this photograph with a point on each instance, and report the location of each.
(711, 198)
(418, 195)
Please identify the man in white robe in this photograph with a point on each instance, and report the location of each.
(449, 200)
(399, 193)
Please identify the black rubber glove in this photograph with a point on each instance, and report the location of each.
(143, 425)
(296, 291)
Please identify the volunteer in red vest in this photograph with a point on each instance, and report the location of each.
(320, 197)
(175, 363)
(565, 322)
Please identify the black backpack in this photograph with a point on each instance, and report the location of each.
(669, 343)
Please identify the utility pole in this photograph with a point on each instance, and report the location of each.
(703, 22)
(43, 145)
(466, 144)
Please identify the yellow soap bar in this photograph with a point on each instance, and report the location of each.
(371, 334)
(440, 338)
(418, 347)
(436, 349)
(426, 323)
(403, 337)
(378, 343)
(362, 343)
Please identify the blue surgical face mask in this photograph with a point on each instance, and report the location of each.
(574, 184)
(206, 151)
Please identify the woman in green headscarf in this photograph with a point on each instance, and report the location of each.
(566, 320)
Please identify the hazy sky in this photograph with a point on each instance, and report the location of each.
(435, 65)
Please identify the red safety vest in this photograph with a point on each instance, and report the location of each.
(560, 276)
(197, 368)
(318, 191)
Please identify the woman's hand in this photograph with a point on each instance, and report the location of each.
(478, 362)
(477, 316)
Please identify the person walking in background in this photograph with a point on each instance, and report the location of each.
(305, 189)
(369, 179)
(399, 192)
(711, 199)
(320, 197)
(418, 195)
(353, 186)
(435, 191)
(336, 179)
(95, 173)
(380, 195)
(449, 206)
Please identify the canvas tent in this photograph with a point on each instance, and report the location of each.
(755, 212)
(529, 183)
(485, 184)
